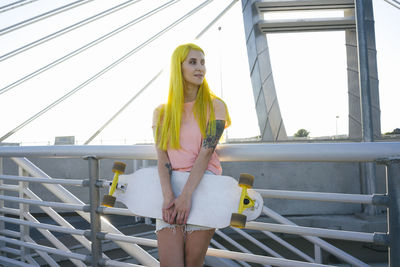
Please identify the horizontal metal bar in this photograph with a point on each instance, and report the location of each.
(226, 261)
(49, 227)
(72, 255)
(317, 196)
(300, 152)
(75, 182)
(10, 250)
(216, 252)
(53, 240)
(10, 233)
(316, 240)
(310, 231)
(72, 207)
(11, 262)
(45, 256)
(114, 263)
(300, 25)
(115, 211)
(260, 259)
(10, 211)
(266, 6)
(66, 196)
(130, 239)
(9, 187)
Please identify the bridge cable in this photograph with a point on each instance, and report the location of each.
(123, 108)
(109, 67)
(85, 47)
(394, 3)
(216, 19)
(15, 5)
(157, 75)
(45, 15)
(66, 30)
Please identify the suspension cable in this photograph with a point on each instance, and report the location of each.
(394, 3)
(216, 19)
(15, 5)
(123, 108)
(155, 77)
(67, 29)
(109, 67)
(86, 46)
(42, 16)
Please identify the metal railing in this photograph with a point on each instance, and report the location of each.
(100, 229)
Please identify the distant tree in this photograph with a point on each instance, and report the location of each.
(395, 131)
(302, 133)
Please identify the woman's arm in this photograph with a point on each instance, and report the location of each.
(164, 173)
(183, 202)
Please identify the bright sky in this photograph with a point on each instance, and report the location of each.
(309, 71)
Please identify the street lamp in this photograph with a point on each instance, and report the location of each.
(337, 117)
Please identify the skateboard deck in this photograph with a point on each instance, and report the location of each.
(213, 202)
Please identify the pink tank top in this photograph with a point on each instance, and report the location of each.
(191, 141)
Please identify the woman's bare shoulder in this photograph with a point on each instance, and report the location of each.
(156, 114)
(217, 102)
(159, 108)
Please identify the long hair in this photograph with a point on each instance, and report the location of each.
(169, 120)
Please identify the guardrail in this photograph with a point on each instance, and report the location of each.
(382, 153)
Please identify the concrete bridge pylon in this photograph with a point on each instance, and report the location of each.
(364, 109)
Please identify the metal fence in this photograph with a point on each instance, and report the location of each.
(20, 242)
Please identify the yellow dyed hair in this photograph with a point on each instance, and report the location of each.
(169, 119)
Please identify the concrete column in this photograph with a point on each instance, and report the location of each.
(355, 119)
(265, 98)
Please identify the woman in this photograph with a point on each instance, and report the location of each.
(186, 130)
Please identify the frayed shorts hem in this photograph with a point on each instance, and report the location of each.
(188, 228)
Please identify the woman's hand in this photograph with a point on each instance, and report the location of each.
(181, 207)
(167, 210)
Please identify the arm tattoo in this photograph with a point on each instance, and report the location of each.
(212, 137)
(169, 167)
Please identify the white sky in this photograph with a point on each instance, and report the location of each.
(309, 72)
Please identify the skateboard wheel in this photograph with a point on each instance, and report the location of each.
(238, 220)
(108, 201)
(246, 180)
(119, 167)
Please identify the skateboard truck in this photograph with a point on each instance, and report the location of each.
(245, 182)
(118, 168)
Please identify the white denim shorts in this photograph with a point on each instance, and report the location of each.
(188, 228)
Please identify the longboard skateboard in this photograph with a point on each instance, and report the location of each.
(217, 202)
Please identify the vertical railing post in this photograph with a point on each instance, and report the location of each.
(393, 191)
(2, 224)
(94, 196)
(317, 254)
(23, 209)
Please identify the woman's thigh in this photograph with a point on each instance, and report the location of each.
(171, 247)
(196, 246)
